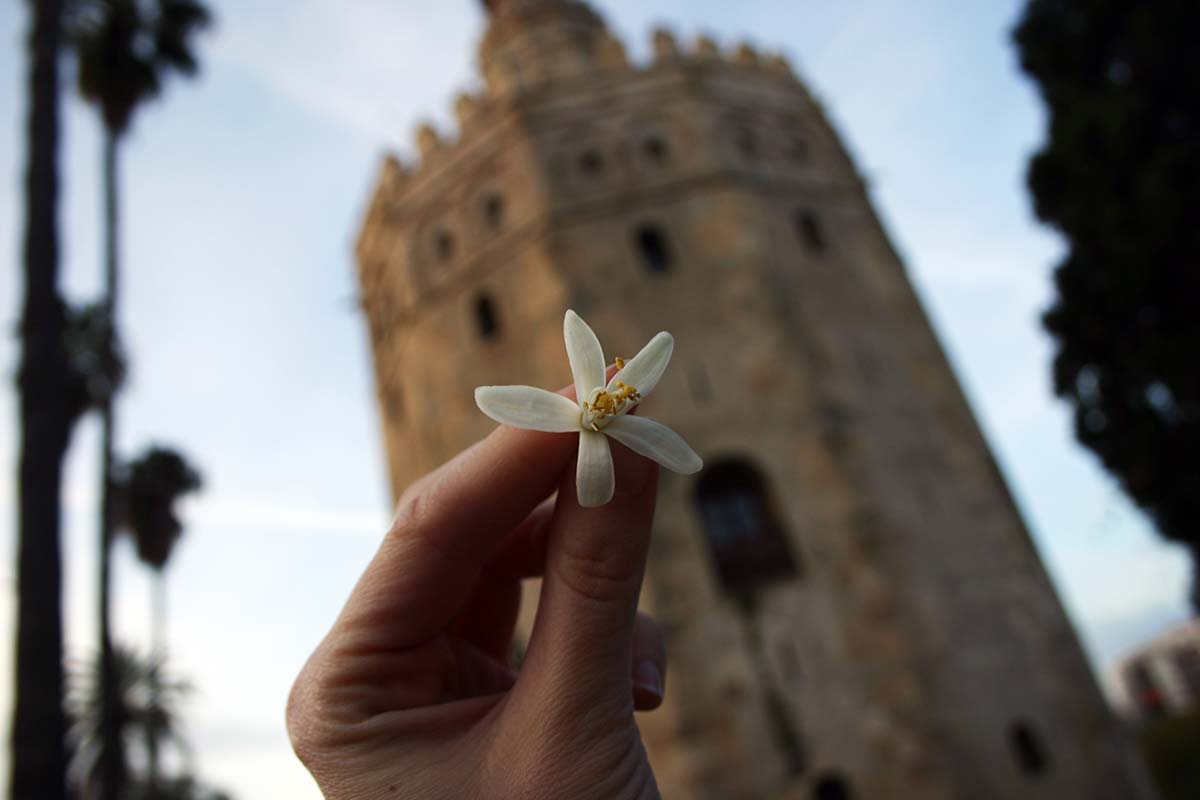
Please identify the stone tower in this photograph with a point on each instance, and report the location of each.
(854, 606)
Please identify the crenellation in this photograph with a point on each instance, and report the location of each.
(779, 64)
(429, 141)
(745, 55)
(467, 108)
(394, 175)
(706, 48)
(611, 53)
(665, 46)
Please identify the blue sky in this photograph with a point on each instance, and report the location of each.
(243, 192)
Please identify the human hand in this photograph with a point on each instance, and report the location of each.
(410, 694)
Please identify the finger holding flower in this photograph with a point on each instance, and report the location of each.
(410, 693)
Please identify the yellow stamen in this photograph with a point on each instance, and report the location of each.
(620, 363)
(607, 403)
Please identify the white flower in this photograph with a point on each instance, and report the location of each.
(599, 412)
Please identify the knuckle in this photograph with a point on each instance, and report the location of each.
(305, 719)
(410, 508)
(600, 576)
(300, 720)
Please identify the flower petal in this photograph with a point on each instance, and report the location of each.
(594, 479)
(656, 442)
(585, 355)
(643, 370)
(529, 408)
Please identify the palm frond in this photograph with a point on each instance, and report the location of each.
(126, 48)
(148, 705)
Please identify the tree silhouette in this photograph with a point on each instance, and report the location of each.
(147, 496)
(149, 701)
(124, 50)
(1119, 176)
(97, 365)
(46, 388)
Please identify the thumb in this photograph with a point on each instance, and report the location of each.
(580, 652)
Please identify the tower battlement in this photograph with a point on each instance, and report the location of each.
(435, 148)
(403, 186)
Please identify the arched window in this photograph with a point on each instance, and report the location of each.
(443, 245)
(832, 786)
(655, 148)
(809, 229)
(485, 317)
(493, 210)
(1028, 749)
(591, 163)
(745, 537)
(653, 246)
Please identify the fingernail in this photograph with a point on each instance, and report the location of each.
(647, 677)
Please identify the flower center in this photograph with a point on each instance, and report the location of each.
(603, 406)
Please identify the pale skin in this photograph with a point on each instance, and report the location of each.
(410, 693)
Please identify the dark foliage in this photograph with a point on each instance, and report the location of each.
(147, 496)
(126, 47)
(95, 356)
(1120, 177)
(148, 700)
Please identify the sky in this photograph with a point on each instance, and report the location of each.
(243, 192)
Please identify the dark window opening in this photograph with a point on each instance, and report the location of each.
(746, 142)
(1028, 749)
(808, 227)
(444, 245)
(655, 149)
(493, 210)
(745, 537)
(832, 787)
(485, 318)
(653, 246)
(591, 162)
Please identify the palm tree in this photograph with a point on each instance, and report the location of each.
(39, 752)
(124, 49)
(149, 702)
(147, 497)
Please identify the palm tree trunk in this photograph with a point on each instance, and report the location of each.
(158, 657)
(158, 614)
(39, 751)
(113, 768)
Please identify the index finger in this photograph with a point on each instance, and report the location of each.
(446, 526)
